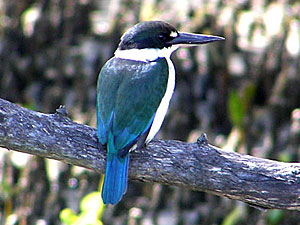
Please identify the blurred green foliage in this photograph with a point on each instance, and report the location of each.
(234, 216)
(91, 207)
(238, 105)
(275, 216)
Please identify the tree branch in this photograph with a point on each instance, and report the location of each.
(197, 166)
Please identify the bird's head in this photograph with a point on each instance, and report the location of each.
(159, 35)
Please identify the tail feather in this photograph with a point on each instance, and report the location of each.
(115, 180)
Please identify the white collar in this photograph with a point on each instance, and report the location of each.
(145, 54)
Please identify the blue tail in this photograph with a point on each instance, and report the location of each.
(115, 180)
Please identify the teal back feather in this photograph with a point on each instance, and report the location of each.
(128, 95)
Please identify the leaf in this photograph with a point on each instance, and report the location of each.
(236, 109)
(233, 217)
(274, 216)
(67, 216)
(91, 207)
(91, 201)
(238, 105)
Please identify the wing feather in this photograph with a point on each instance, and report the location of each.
(129, 93)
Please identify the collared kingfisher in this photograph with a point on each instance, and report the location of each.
(134, 90)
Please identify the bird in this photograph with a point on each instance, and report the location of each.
(134, 90)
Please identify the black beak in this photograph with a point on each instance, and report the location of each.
(194, 39)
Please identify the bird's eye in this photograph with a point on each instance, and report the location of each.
(129, 42)
(162, 37)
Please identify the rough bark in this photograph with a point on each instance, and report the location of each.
(197, 166)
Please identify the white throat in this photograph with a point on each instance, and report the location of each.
(145, 54)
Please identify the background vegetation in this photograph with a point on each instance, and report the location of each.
(244, 93)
